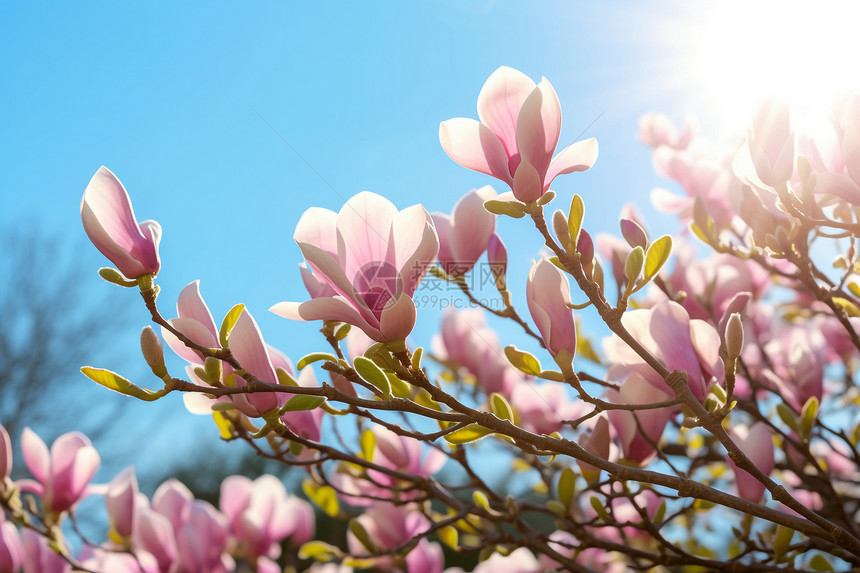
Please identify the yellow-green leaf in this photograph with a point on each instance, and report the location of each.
(368, 444)
(501, 407)
(574, 218)
(372, 373)
(115, 382)
(449, 536)
(566, 486)
(657, 255)
(523, 361)
(510, 208)
(323, 496)
(820, 563)
(480, 499)
(781, 541)
(416, 358)
(301, 402)
(360, 533)
(225, 426)
(468, 434)
(342, 331)
(319, 551)
(633, 266)
(315, 357)
(228, 323)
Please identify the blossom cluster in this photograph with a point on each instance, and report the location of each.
(737, 356)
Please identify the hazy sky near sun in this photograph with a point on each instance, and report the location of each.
(226, 120)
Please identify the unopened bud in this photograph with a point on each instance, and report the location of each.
(734, 336)
(153, 352)
(497, 256)
(5, 455)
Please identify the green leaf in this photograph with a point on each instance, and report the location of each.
(315, 357)
(372, 373)
(225, 426)
(480, 499)
(115, 382)
(601, 511)
(228, 324)
(302, 402)
(782, 541)
(657, 255)
(399, 388)
(574, 219)
(342, 331)
(319, 551)
(416, 358)
(566, 486)
(546, 198)
(819, 563)
(523, 361)
(368, 444)
(660, 514)
(501, 407)
(112, 275)
(323, 496)
(360, 533)
(808, 415)
(510, 208)
(449, 536)
(284, 378)
(787, 416)
(633, 266)
(468, 434)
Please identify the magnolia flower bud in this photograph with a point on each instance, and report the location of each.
(5, 454)
(734, 336)
(153, 352)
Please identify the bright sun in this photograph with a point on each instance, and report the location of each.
(807, 53)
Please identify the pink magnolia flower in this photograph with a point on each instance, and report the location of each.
(426, 557)
(11, 553)
(202, 541)
(542, 407)
(701, 176)
(182, 533)
(655, 129)
(388, 526)
(111, 226)
(637, 439)
(393, 452)
(517, 136)
(548, 295)
(757, 444)
(121, 501)
(680, 343)
(248, 348)
(154, 536)
(38, 557)
(797, 364)
(465, 234)
(63, 473)
(466, 341)
(769, 146)
(373, 257)
(5, 455)
(518, 561)
(261, 514)
(103, 561)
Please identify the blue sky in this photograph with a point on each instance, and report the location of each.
(188, 104)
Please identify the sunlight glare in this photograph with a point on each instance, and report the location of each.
(804, 52)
